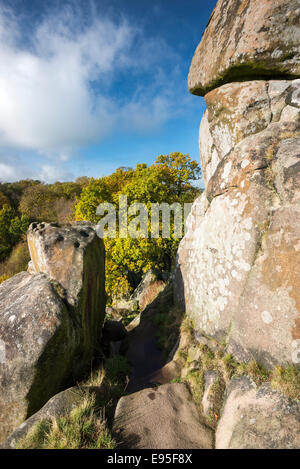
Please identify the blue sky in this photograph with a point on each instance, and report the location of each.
(89, 86)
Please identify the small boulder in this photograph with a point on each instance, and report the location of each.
(161, 418)
(257, 418)
(151, 285)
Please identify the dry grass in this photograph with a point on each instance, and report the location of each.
(287, 380)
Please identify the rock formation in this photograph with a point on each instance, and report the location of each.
(50, 319)
(161, 418)
(257, 417)
(247, 39)
(238, 265)
(152, 283)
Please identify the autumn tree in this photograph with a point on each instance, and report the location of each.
(3, 200)
(170, 179)
(50, 202)
(12, 227)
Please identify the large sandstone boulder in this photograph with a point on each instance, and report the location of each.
(257, 418)
(50, 321)
(247, 39)
(161, 418)
(238, 110)
(237, 265)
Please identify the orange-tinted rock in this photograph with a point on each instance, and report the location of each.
(238, 110)
(151, 285)
(164, 417)
(247, 40)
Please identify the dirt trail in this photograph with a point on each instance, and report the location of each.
(145, 357)
(147, 417)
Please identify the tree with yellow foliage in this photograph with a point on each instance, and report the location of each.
(170, 179)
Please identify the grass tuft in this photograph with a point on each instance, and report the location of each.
(286, 380)
(84, 428)
(195, 379)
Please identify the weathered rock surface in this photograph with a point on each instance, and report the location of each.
(238, 261)
(257, 418)
(237, 265)
(238, 110)
(73, 257)
(66, 254)
(50, 324)
(40, 343)
(247, 39)
(161, 418)
(151, 285)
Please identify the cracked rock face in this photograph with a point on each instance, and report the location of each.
(237, 268)
(50, 319)
(247, 39)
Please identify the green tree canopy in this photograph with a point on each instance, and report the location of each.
(169, 179)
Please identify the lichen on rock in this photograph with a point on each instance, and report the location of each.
(237, 266)
(51, 319)
(247, 40)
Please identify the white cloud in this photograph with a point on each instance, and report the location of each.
(53, 173)
(17, 168)
(45, 91)
(7, 172)
(56, 89)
